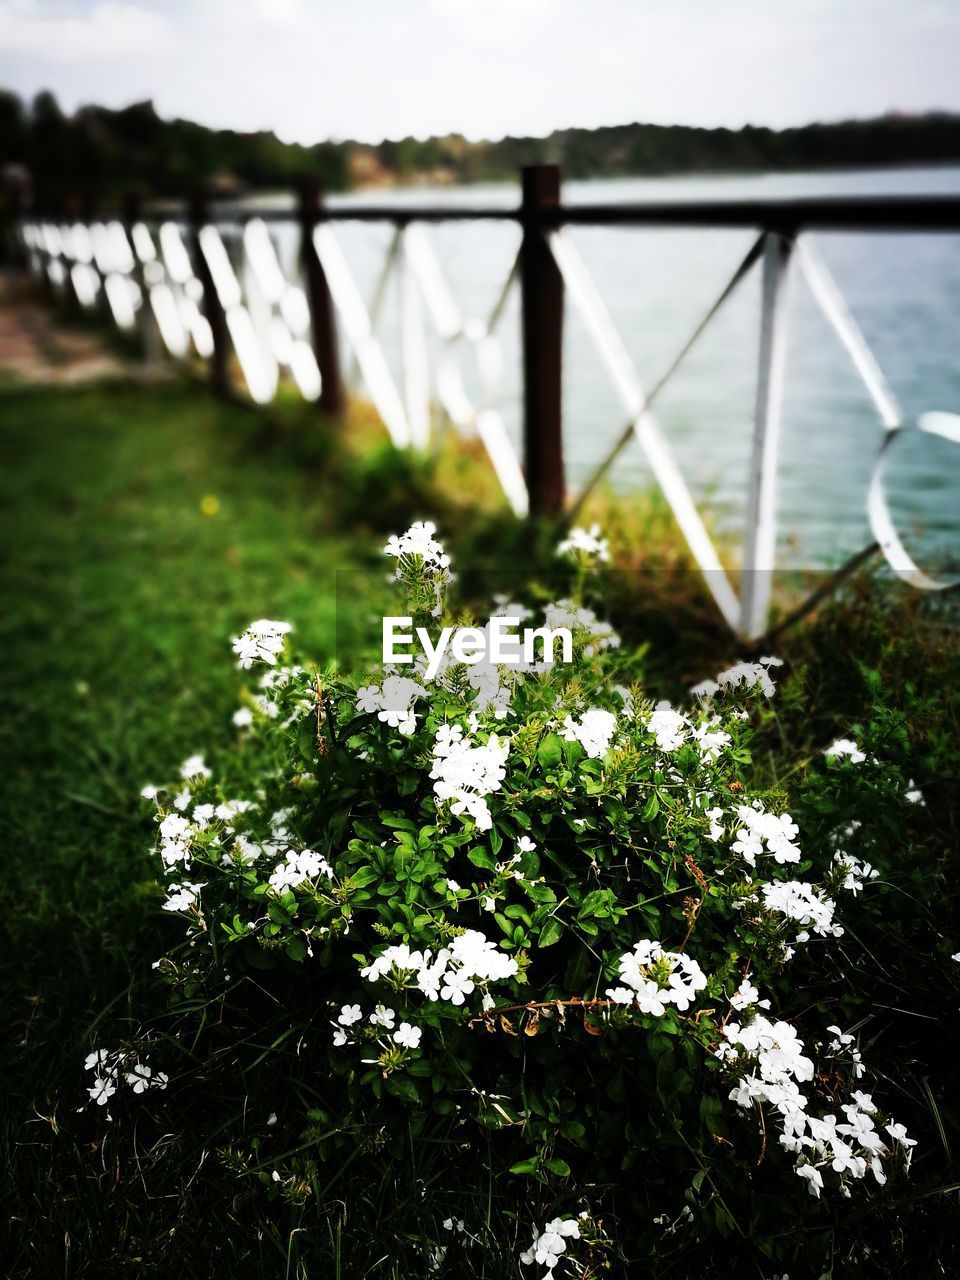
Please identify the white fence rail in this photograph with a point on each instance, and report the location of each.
(192, 287)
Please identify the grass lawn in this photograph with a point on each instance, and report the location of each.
(142, 527)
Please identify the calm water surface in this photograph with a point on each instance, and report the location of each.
(903, 289)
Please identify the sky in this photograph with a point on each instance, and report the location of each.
(368, 69)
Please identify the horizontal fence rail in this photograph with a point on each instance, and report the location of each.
(204, 280)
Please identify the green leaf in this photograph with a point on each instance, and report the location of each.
(558, 1166)
(551, 932)
(526, 1166)
(550, 751)
(296, 948)
(364, 876)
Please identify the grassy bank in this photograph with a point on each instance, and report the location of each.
(141, 529)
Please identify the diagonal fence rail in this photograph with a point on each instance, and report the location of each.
(205, 283)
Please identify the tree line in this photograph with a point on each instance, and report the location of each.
(100, 153)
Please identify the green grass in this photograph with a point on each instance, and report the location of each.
(119, 595)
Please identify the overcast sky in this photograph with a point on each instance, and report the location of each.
(313, 69)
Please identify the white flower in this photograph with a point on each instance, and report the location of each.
(845, 747)
(710, 739)
(407, 1036)
(299, 867)
(585, 543)
(855, 873)
(194, 767)
(550, 1244)
(465, 773)
(383, 1017)
(349, 1014)
(899, 1134)
(149, 792)
(102, 1090)
(393, 703)
(578, 618)
(747, 674)
(660, 977)
(668, 726)
(799, 901)
(620, 995)
(525, 845)
(243, 718)
(262, 641)
(747, 995)
(594, 731)
(138, 1078)
(182, 897)
(418, 541)
(768, 832)
(813, 1177)
(716, 823)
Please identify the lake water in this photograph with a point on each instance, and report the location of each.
(904, 291)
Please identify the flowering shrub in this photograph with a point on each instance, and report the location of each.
(545, 912)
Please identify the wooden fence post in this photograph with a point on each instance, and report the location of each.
(542, 291)
(333, 398)
(219, 367)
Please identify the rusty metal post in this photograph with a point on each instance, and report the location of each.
(333, 398)
(213, 308)
(542, 321)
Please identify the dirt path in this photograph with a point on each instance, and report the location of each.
(36, 346)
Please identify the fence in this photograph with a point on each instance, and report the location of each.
(201, 281)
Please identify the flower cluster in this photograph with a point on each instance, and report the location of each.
(775, 1064)
(117, 1068)
(585, 544)
(566, 813)
(465, 772)
(452, 974)
(808, 905)
(594, 731)
(550, 1244)
(765, 833)
(263, 641)
(654, 978)
(393, 702)
(745, 675)
(418, 541)
(422, 564)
